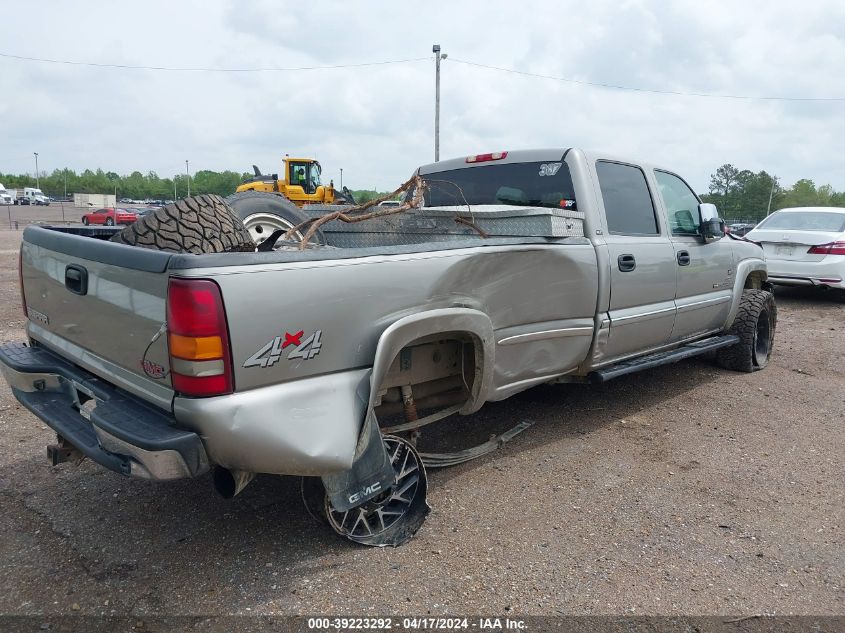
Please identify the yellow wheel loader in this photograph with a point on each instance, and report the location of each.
(300, 184)
(267, 203)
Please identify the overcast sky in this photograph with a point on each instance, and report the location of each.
(377, 122)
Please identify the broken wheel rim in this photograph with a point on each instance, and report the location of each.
(393, 517)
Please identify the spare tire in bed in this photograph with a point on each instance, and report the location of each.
(200, 224)
(263, 213)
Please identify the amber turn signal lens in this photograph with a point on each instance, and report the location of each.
(196, 347)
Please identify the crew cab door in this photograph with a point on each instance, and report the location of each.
(705, 272)
(641, 258)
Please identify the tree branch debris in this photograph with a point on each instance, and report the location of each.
(358, 213)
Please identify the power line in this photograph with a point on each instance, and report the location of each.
(199, 69)
(582, 82)
(596, 84)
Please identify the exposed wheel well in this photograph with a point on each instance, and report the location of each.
(755, 280)
(429, 375)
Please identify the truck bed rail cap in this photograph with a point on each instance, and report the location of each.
(217, 260)
(62, 240)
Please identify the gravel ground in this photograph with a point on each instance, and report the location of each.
(682, 490)
(57, 212)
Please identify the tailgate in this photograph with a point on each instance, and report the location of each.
(101, 306)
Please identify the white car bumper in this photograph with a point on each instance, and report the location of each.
(829, 271)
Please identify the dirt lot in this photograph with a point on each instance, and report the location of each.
(683, 490)
(21, 215)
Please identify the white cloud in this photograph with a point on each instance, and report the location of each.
(377, 122)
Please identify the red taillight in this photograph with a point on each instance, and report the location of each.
(198, 339)
(483, 158)
(20, 279)
(831, 248)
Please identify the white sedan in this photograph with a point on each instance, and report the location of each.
(804, 246)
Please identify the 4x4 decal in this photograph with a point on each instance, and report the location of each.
(271, 352)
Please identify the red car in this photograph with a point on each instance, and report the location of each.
(109, 216)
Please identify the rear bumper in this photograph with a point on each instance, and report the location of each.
(786, 280)
(104, 423)
(829, 271)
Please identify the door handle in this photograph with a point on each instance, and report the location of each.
(683, 258)
(627, 263)
(76, 279)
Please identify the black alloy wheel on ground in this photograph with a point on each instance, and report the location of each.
(393, 517)
(263, 213)
(200, 224)
(109, 222)
(85, 221)
(754, 324)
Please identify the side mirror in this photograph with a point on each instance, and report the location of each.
(711, 227)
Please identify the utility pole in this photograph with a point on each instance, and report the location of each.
(436, 50)
(341, 178)
(188, 174)
(771, 194)
(65, 198)
(37, 186)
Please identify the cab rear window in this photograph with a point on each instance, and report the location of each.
(535, 184)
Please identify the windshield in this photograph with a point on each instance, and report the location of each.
(827, 221)
(540, 184)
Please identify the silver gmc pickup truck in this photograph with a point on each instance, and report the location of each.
(521, 268)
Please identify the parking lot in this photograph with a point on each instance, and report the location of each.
(683, 490)
(16, 216)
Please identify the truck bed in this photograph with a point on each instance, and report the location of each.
(348, 293)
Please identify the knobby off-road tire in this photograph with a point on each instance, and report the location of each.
(200, 224)
(263, 213)
(755, 326)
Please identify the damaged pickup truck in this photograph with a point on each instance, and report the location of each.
(521, 268)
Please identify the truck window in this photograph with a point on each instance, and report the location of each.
(627, 201)
(681, 203)
(535, 184)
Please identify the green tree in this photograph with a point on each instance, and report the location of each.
(802, 194)
(724, 181)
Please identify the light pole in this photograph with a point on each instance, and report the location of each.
(188, 174)
(341, 178)
(37, 186)
(771, 194)
(65, 198)
(436, 50)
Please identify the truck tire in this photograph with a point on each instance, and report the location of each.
(754, 324)
(200, 224)
(263, 212)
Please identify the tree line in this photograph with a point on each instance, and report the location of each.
(743, 196)
(138, 186)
